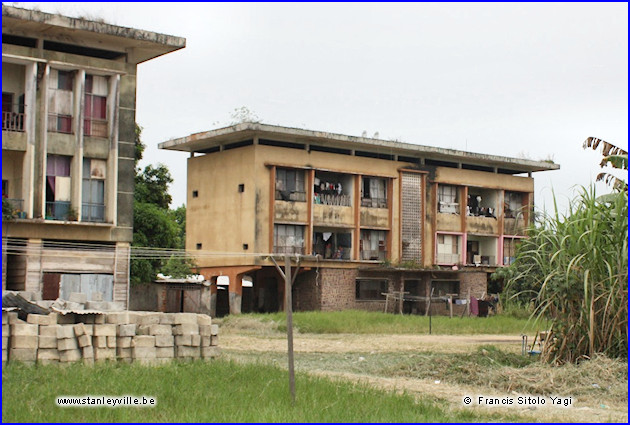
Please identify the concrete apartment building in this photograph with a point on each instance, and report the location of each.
(68, 126)
(380, 215)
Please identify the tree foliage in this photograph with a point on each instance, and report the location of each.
(574, 269)
(155, 225)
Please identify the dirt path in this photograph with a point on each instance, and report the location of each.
(581, 411)
(348, 343)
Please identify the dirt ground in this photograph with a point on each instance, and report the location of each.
(235, 344)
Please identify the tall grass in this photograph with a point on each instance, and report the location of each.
(365, 322)
(217, 391)
(575, 269)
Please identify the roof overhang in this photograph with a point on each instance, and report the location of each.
(138, 45)
(208, 140)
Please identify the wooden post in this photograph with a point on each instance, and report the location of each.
(450, 305)
(429, 307)
(289, 309)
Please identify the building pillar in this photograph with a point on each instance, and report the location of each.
(28, 163)
(76, 167)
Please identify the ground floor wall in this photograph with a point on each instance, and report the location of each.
(49, 269)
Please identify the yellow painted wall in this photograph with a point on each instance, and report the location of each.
(12, 171)
(222, 219)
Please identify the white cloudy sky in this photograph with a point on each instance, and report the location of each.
(523, 80)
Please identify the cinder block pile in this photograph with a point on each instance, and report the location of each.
(147, 338)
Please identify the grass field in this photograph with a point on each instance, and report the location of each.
(217, 391)
(363, 322)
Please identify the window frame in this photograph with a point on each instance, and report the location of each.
(384, 287)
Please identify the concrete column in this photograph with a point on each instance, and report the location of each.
(28, 163)
(235, 292)
(111, 178)
(40, 143)
(4, 263)
(76, 169)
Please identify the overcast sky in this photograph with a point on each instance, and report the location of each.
(521, 80)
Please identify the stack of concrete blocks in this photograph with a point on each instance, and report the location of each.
(5, 337)
(146, 338)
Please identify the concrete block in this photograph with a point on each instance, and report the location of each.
(99, 341)
(65, 331)
(5, 357)
(126, 330)
(87, 351)
(183, 340)
(195, 340)
(22, 341)
(74, 306)
(47, 354)
(79, 329)
(23, 354)
(96, 305)
(24, 329)
(78, 297)
(143, 341)
(42, 319)
(67, 344)
(164, 340)
(111, 342)
(167, 318)
(6, 330)
(97, 296)
(210, 352)
(214, 330)
(142, 329)
(185, 318)
(160, 330)
(47, 342)
(105, 330)
(186, 329)
(204, 320)
(144, 352)
(205, 341)
(13, 318)
(48, 330)
(149, 319)
(117, 318)
(134, 317)
(84, 341)
(114, 306)
(205, 330)
(5, 342)
(165, 352)
(123, 353)
(185, 351)
(214, 340)
(68, 356)
(101, 354)
(5, 317)
(123, 342)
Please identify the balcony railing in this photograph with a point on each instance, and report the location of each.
(95, 127)
(373, 255)
(58, 210)
(285, 195)
(327, 199)
(93, 212)
(288, 249)
(13, 121)
(17, 207)
(58, 123)
(374, 202)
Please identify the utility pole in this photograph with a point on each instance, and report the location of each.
(288, 306)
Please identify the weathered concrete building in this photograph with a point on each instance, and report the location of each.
(381, 216)
(68, 127)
